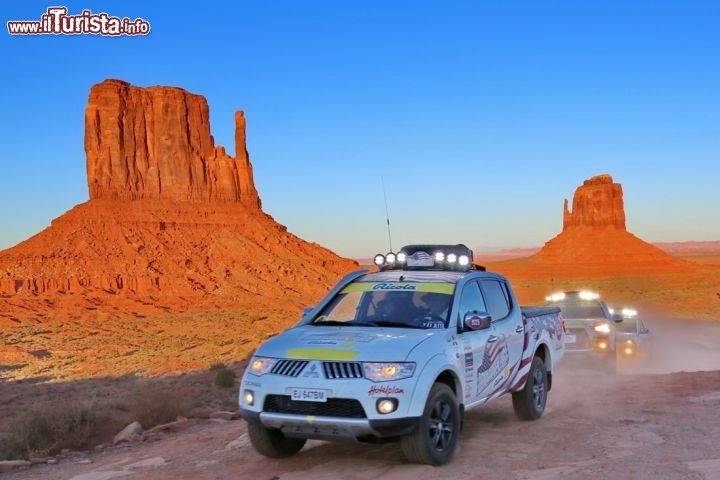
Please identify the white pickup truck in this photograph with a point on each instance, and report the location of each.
(400, 355)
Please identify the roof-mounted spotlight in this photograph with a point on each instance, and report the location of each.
(379, 260)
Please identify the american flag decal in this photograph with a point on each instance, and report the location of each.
(495, 359)
(420, 259)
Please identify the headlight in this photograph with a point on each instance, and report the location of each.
(385, 372)
(262, 365)
(601, 328)
(587, 295)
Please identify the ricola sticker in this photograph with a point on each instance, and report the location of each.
(394, 286)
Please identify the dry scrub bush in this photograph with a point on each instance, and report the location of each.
(154, 405)
(48, 431)
(224, 377)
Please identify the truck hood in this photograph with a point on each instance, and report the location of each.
(345, 343)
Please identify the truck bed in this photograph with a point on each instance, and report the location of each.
(538, 311)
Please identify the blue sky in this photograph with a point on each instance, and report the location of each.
(479, 117)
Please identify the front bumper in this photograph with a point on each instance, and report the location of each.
(332, 428)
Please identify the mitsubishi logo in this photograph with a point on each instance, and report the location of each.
(311, 371)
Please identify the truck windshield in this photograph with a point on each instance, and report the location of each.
(408, 308)
(581, 310)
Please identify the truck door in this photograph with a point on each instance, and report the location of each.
(507, 333)
(474, 342)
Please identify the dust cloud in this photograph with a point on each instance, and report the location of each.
(679, 345)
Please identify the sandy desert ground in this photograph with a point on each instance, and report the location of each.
(658, 418)
(641, 423)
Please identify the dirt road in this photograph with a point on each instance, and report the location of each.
(597, 426)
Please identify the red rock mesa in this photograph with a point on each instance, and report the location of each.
(172, 222)
(594, 240)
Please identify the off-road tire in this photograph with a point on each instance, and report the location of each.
(529, 403)
(272, 443)
(434, 440)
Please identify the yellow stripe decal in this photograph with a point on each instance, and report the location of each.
(321, 354)
(436, 287)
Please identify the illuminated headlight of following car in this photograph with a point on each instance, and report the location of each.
(385, 372)
(603, 328)
(602, 345)
(587, 295)
(262, 365)
(628, 312)
(556, 297)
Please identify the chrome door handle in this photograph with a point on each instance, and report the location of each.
(519, 329)
(492, 339)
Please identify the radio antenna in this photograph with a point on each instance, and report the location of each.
(387, 214)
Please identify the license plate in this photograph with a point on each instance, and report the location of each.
(308, 395)
(570, 338)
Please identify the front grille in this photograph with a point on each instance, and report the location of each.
(334, 407)
(335, 370)
(289, 368)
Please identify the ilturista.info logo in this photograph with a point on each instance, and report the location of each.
(57, 22)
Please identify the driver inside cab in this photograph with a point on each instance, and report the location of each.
(436, 306)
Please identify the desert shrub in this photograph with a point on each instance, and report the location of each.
(48, 431)
(224, 377)
(154, 405)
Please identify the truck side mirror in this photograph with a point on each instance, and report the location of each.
(476, 320)
(616, 317)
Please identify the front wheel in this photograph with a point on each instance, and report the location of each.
(272, 443)
(529, 403)
(434, 440)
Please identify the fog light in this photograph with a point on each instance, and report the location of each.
(386, 405)
(601, 345)
(249, 397)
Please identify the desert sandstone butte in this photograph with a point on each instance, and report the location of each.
(173, 222)
(594, 241)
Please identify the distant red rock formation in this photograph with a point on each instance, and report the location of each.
(594, 240)
(155, 143)
(597, 203)
(172, 223)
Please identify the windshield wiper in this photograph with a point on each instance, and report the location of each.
(388, 323)
(332, 323)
